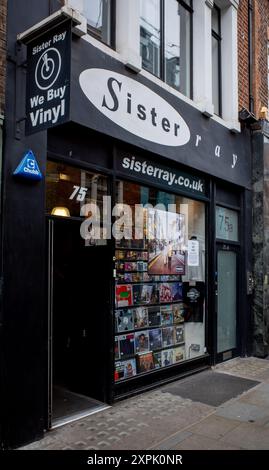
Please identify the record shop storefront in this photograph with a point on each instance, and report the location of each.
(149, 306)
(126, 313)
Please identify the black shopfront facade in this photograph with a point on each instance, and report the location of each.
(104, 320)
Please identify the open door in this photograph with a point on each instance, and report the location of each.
(80, 322)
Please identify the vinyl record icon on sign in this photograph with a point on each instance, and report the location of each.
(48, 68)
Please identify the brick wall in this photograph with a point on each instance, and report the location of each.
(3, 14)
(260, 61)
(243, 45)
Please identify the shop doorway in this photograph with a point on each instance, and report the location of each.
(227, 304)
(79, 323)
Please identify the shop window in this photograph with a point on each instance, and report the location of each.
(99, 14)
(160, 283)
(216, 59)
(165, 41)
(68, 189)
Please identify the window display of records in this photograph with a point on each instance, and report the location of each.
(149, 317)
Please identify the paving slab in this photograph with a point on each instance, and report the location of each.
(259, 397)
(214, 426)
(244, 412)
(197, 442)
(248, 436)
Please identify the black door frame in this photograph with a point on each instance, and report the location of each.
(235, 352)
(109, 382)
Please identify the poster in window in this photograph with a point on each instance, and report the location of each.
(166, 233)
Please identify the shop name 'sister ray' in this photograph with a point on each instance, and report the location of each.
(115, 88)
(134, 107)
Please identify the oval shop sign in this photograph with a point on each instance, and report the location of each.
(134, 107)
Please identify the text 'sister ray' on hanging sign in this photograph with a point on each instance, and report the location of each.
(28, 168)
(48, 79)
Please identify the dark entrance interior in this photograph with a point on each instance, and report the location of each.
(79, 322)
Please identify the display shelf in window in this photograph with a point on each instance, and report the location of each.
(131, 255)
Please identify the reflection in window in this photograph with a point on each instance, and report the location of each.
(98, 14)
(166, 50)
(216, 60)
(150, 25)
(70, 188)
(177, 46)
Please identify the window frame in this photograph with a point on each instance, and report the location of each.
(92, 31)
(161, 76)
(218, 37)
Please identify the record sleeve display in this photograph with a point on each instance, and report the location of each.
(124, 320)
(167, 315)
(154, 316)
(125, 369)
(126, 345)
(155, 339)
(179, 334)
(167, 357)
(142, 341)
(124, 295)
(178, 313)
(149, 317)
(167, 336)
(157, 358)
(145, 362)
(116, 348)
(179, 354)
(140, 317)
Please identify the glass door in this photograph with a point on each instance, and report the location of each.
(226, 303)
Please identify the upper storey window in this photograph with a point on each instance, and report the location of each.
(166, 41)
(99, 14)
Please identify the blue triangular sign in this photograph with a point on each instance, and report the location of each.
(28, 168)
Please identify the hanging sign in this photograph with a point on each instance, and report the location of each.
(28, 168)
(48, 79)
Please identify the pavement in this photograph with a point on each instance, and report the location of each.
(162, 419)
